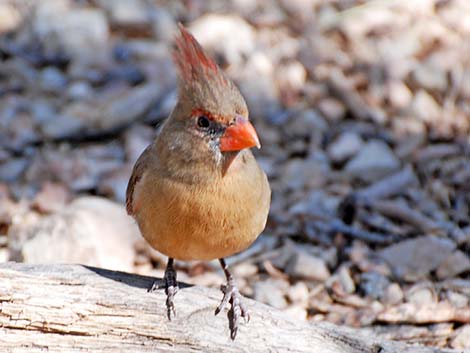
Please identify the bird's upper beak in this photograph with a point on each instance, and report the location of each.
(238, 136)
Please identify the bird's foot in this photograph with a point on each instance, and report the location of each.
(171, 288)
(237, 308)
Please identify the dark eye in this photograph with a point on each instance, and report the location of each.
(203, 122)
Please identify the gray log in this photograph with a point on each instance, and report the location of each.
(74, 308)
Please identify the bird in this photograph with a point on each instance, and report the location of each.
(197, 191)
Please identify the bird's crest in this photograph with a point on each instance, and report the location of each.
(202, 85)
(193, 64)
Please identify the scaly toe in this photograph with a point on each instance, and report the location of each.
(237, 308)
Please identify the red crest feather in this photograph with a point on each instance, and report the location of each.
(192, 62)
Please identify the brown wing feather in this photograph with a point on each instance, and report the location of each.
(137, 173)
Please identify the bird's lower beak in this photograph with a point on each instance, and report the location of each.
(239, 136)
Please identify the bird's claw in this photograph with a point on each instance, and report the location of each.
(237, 308)
(170, 306)
(171, 288)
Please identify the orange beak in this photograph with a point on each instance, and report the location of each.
(239, 136)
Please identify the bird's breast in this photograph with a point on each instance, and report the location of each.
(203, 222)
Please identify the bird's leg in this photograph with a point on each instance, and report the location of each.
(171, 288)
(232, 295)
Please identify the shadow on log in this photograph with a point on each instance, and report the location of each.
(74, 308)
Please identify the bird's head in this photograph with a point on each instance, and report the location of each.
(210, 110)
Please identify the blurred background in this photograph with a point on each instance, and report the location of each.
(363, 111)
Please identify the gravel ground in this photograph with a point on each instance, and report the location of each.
(363, 111)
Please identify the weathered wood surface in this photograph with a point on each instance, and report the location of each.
(74, 308)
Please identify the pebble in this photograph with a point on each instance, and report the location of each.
(306, 266)
(10, 17)
(373, 284)
(79, 90)
(216, 30)
(344, 147)
(414, 259)
(298, 293)
(430, 77)
(393, 294)
(52, 80)
(126, 12)
(421, 295)
(82, 32)
(461, 338)
(61, 126)
(425, 108)
(373, 161)
(347, 283)
(271, 292)
(459, 300)
(455, 264)
(332, 109)
(81, 233)
(12, 169)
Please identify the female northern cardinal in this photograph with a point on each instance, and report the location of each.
(197, 192)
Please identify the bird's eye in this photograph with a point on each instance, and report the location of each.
(203, 122)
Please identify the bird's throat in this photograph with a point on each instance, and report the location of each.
(228, 159)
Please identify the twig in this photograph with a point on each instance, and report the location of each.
(389, 186)
(337, 226)
(405, 214)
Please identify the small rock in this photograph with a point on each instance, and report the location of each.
(347, 283)
(244, 270)
(261, 94)
(163, 25)
(307, 266)
(52, 198)
(344, 147)
(10, 17)
(79, 90)
(374, 161)
(308, 123)
(91, 231)
(332, 109)
(430, 77)
(305, 123)
(461, 338)
(399, 94)
(136, 140)
(61, 126)
(4, 255)
(42, 111)
(291, 78)
(453, 265)
(393, 294)
(425, 108)
(374, 284)
(458, 300)
(421, 296)
(128, 107)
(296, 312)
(298, 173)
(216, 31)
(52, 80)
(113, 184)
(271, 292)
(81, 32)
(126, 12)
(298, 293)
(12, 169)
(414, 259)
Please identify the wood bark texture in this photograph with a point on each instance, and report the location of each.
(75, 308)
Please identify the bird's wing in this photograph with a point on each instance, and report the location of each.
(137, 173)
